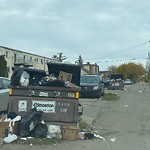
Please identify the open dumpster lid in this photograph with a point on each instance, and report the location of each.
(75, 70)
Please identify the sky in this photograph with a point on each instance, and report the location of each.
(106, 32)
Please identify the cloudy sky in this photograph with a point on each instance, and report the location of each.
(106, 32)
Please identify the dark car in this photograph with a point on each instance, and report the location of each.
(91, 85)
(106, 82)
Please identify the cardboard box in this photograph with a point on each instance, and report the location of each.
(70, 133)
(64, 76)
(5, 129)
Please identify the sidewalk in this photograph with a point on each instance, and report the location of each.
(91, 111)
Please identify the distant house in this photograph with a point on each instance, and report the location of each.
(89, 69)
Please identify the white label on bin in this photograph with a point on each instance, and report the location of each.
(45, 106)
(22, 106)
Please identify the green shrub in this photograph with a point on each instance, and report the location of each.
(110, 96)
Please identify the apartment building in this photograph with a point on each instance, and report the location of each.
(16, 58)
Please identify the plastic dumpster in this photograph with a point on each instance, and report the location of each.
(58, 100)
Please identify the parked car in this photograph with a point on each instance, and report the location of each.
(91, 85)
(4, 84)
(117, 84)
(106, 82)
(128, 81)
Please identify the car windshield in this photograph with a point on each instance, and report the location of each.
(89, 79)
(128, 80)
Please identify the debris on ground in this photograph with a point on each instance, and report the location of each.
(113, 139)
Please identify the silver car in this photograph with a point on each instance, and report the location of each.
(4, 84)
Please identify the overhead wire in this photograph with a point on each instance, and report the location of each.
(118, 52)
(102, 57)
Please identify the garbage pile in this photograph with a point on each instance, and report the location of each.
(13, 127)
(25, 76)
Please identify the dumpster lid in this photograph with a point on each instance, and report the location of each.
(75, 70)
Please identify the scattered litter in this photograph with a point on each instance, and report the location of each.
(31, 144)
(140, 91)
(10, 138)
(95, 131)
(113, 139)
(89, 135)
(1, 141)
(126, 105)
(23, 139)
(54, 131)
(100, 137)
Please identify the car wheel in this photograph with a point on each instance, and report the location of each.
(99, 94)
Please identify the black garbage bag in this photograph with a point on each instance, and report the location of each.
(39, 131)
(89, 135)
(15, 78)
(20, 77)
(29, 121)
(11, 115)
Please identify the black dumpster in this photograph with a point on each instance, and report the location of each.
(59, 103)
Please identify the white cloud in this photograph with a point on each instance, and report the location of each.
(90, 28)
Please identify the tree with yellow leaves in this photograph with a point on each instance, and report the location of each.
(131, 70)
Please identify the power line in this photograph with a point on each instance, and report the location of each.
(118, 52)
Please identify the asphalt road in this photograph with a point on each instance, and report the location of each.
(125, 124)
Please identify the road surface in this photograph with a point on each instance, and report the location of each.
(125, 124)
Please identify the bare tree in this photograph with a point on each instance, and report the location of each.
(79, 60)
(58, 58)
(112, 68)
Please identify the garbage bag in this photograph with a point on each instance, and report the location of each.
(20, 77)
(15, 78)
(54, 131)
(39, 131)
(89, 135)
(11, 115)
(29, 121)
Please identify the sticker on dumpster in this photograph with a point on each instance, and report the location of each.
(71, 95)
(45, 94)
(45, 106)
(22, 106)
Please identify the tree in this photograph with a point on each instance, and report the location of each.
(131, 70)
(61, 58)
(3, 66)
(58, 58)
(112, 69)
(79, 61)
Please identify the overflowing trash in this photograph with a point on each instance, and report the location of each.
(30, 122)
(54, 131)
(31, 126)
(44, 105)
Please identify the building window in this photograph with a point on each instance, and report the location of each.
(42, 61)
(1, 53)
(37, 60)
(7, 54)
